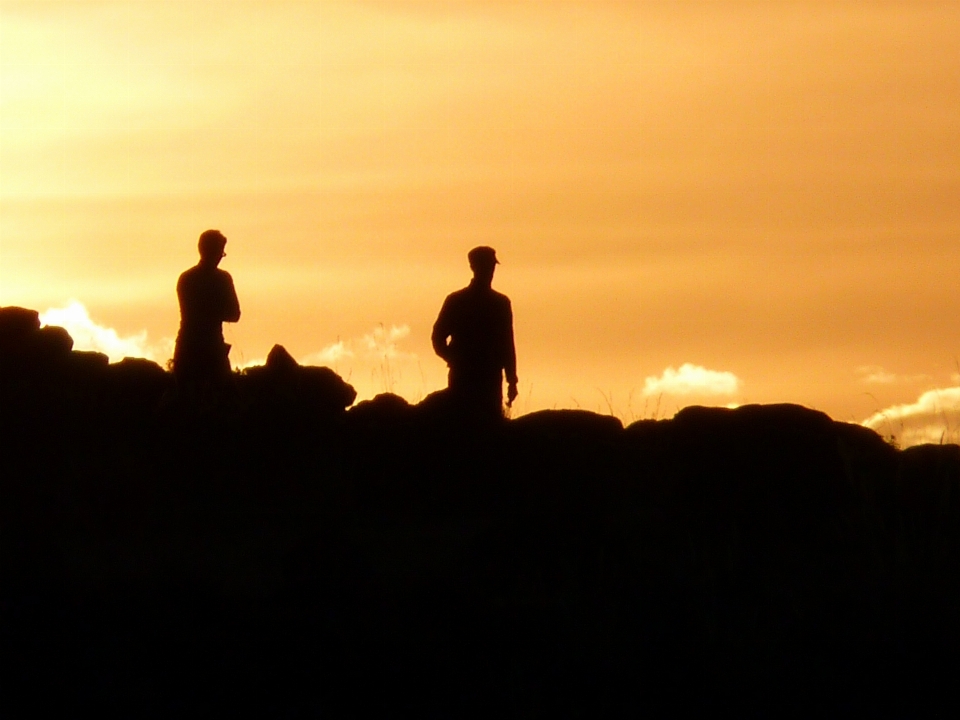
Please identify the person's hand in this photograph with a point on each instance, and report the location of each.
(511, 393)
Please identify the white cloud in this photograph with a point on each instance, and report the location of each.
(383, 342)
(876, 375)
(933, 418)
(374, 362)
(691, 380)
(88, 335)
(380, 344)
(330, 355)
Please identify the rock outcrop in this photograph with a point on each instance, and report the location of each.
(283, 385)
(41, 373)
(127, 516)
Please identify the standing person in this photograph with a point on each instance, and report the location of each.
(474, 334)
(207, 300)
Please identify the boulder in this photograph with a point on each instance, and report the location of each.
(16, 323)
(929, 485)
(754, 419)
(766, 443)
(84, 361)
(280, 361)
(322, 388)
(33, 361)
(382, 412)
(137, 384)
(81, 380)
(283, 384)
(50, 343)
(554, 444)
(26, 344)
(568, 426)
(436, 405)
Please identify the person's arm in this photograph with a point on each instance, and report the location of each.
(231, 307)
(441, 332)
(181, 294)
(510, 356)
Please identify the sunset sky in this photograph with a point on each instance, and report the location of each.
(693, 202)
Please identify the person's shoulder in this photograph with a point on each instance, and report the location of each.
(500, 298)
(189, 274)
(458, 295)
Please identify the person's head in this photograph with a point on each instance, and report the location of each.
(211, 245)
(483, 261)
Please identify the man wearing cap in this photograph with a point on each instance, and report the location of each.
(207, 300)
(474, 334)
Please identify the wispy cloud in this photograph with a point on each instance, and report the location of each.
(384, 342)
(876, 375)
(933, 418)
(330, 355)
(691, 379)
(90, 335)
(381, 343)
(375, 362)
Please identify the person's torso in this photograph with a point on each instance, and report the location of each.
(479, 327)
(203, 296)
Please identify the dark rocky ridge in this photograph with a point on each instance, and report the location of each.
(132, 520)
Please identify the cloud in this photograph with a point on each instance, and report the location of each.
(933, 418)
(88, 335)
(876, 375)
(691, 380)
(374, 362)
(380, 344)
(383, 342)
(330, 355)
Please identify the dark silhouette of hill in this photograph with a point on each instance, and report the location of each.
(281, 549)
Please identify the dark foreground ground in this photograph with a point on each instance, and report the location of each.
(276, 552)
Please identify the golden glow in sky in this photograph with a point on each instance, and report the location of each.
(694, 202)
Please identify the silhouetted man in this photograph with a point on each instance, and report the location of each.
(474, 334)
(207, 300)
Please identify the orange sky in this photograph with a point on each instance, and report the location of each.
(766, 193)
